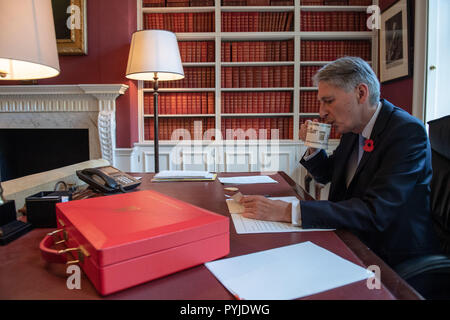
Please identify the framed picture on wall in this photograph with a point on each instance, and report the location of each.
(70, 26)
(395, 42)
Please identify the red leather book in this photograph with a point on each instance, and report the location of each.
(280, 127)
(278, 21)
(271, 77)
(272, 21)
(265, 124)
(282, 106)
(264, 77)
(249, 102)
(204, 103)
(184, 102)
(201, 79)
(272, 102)
(211, 103)
(188, 50)
(243, 77)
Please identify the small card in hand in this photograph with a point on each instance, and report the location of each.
(237, 197)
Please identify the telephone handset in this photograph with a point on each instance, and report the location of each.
(108, 179)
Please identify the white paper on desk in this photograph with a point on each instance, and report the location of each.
(174, 174)
(245, 225)
(284, 273)
(247, 180)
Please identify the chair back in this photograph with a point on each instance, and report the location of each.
(439, 131)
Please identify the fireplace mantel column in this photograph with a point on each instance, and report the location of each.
(106, 116)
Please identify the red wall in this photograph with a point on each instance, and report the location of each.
(399, 92)
(110, 24)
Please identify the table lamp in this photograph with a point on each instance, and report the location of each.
(154, 56)
(27, 51)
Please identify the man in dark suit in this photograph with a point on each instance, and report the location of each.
(380, 172)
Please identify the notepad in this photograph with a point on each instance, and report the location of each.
(245, 225)
(286, 273)
(178, 175)
(247, 180)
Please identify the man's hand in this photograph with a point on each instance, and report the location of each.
(261, 208)
(303, 132)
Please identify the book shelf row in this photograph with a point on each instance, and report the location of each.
(255, 51)
(194, 77)
(197, 51)
(179, 128)
(177, 3)
(257, 77)
(180, 22)
(333, 21)
(336, 2)
(256, 128)
(326, 50)
(257, 21)
(241, 77)
(231, 21)
(210, 3)
(193, 103)
(256, 102)
(257, 2)
(273, 51)
(181, 103)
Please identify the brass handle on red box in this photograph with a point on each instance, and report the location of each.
(59, 256)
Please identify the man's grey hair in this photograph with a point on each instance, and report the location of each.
(349, 72)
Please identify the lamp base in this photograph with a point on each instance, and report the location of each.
(10, 227)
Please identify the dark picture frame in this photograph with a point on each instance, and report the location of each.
(396, 51)
(70, 41)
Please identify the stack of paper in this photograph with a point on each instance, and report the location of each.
(167, 175)
(288, 272)
(247, 180)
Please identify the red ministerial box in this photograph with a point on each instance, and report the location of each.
(132, 238)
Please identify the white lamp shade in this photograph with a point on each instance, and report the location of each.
(27, 40)
(154, 51)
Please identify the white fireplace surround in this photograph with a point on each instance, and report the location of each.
(81, 106)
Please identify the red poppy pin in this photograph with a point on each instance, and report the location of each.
(368, 145)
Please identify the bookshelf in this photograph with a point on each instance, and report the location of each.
(248, 64)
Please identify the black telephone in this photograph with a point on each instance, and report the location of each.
(108, 179)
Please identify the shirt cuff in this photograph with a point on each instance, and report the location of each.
(296, 218)
(307, 158)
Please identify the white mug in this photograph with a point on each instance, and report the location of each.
(317, 135)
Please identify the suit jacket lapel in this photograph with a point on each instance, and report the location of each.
(380, 124)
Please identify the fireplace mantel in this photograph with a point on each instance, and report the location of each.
(90, 106)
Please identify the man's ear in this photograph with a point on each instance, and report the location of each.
(362, 93)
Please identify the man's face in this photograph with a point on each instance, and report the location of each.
(339, 108)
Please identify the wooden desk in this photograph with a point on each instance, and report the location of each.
(24, 274)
